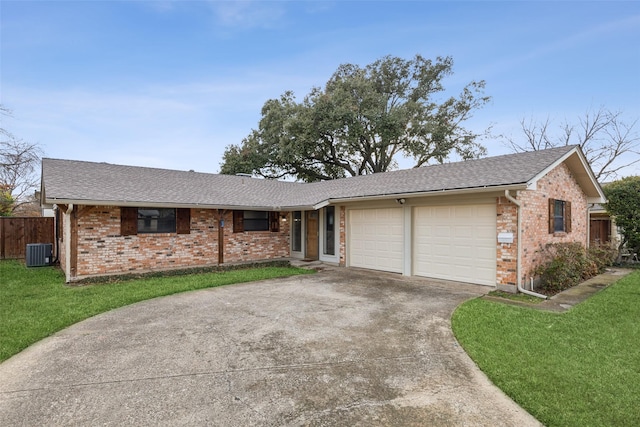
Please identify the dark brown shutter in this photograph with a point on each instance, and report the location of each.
(274, 221)
(128, 221)
(552, 211)
(567, 217)
(183, 221)
(238, 221)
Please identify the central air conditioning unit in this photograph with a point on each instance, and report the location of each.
(39, 254)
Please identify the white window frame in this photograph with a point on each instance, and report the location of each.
(335, 259)
(303, 239)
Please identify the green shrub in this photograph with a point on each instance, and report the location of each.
(567, 264)
(603, 255)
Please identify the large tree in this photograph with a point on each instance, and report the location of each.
(361, 122)
(19, 161)
(609, 143)
(623, 204)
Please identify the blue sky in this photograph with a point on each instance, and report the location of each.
(170, 83)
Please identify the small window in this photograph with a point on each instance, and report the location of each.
(156, 220)
(559, 216)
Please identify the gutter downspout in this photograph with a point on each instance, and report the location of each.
(518, 249)
(56, 232)
(67, 243)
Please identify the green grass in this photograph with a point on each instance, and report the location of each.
(579, 368)
(516, 297)
(35, 302)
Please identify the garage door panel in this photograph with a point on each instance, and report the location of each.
(463, 231)
(486, 254)
(456, 243)
(376, 239)
(444, 232)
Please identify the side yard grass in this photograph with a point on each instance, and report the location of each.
(35, 302)
(579, 368)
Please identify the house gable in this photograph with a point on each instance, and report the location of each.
(579, 168)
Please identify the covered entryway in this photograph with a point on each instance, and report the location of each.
(455, 243)
(376, 239)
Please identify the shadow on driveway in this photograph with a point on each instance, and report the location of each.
(341, 347)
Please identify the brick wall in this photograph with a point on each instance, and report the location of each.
(255, 245)
(343, 237)
(557, 184)
(102, 250)
(507, 253)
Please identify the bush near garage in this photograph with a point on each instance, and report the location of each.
(567, 264)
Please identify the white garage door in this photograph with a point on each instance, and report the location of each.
(456, 243)
(376, 239)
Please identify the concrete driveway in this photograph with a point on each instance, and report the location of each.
(342, 347)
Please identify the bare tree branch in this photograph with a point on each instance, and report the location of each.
(19, 161)
(608, 143)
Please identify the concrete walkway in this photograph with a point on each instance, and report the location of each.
(342, 347)
(571, 297)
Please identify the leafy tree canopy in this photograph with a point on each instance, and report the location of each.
(6, 202)
(360, 122)
(623, 203)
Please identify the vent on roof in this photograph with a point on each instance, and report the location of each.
(38, 254)
(246, 175)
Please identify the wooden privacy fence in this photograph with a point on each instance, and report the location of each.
(17, 232)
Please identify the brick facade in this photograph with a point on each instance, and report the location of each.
(255, 245)
(507, 253)
(557, 184)
(102, 250)
(343, 236)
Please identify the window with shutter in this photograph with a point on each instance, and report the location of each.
(255, 221)
(156, 220)
(559, 216)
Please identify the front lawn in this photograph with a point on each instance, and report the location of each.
(579, 368)
(35, 302)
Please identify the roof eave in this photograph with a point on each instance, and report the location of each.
(432, 193)
(577, 163)
(145, 204)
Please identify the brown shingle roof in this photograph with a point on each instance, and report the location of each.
(102, 183)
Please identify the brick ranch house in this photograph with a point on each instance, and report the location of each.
(479, 221)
